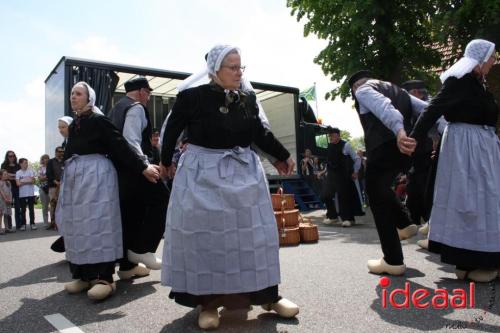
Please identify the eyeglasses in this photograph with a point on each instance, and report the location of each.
(60, 151)
(11, 155)
(236, 68)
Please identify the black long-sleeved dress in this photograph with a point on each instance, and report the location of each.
(199, 111)
(465, 217)
(213, 122)
(89, 134)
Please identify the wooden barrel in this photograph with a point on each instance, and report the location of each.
(282, 201)
(287, 218)
(289, 236)
(308, 233)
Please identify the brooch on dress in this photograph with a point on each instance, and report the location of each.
(223, 109)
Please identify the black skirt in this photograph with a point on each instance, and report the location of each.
(465, 259)
(89, 272)
(229, 301)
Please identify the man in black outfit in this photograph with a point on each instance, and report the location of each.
(343, 165)
(386, 113)
(143, 204)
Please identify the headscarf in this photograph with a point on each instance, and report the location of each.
(66, 119)
(92, 97)
(477, 52)
(214, 58)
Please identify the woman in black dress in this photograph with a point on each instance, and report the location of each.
(221, 240)
(465, 216)
(88, 211)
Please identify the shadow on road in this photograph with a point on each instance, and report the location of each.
(56, 272)
(233, 321)
(81, 310)
(29, 234)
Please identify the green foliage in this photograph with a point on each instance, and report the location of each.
(385, 36)
(458, 21)
(35, 166)
(358, 143)
(392, 38)
(322, 141)
(345, 135)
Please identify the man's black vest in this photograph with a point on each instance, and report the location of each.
(336, 160)
(376, 133)
(118, 114)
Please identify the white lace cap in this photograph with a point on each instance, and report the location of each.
(477, 52)
(66, 119)
(92, 97)
(215, 57)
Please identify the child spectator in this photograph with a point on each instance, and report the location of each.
(6, 201)
(25, 179)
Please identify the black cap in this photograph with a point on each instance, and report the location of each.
(413, 84)
(359, 75)
(332, 130)
(137, 83)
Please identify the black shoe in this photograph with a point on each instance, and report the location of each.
(58, 245)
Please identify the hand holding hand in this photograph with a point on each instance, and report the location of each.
(167, 172)
(152, 173)
(406, 144)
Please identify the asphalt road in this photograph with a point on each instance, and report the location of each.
(328, 280)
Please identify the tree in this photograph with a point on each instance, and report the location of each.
(358, 143)
(345, 135)
(385, 36)
(465, 20)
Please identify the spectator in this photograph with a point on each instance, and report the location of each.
(53, 173)
(10, 164)
(307, 168)
(44, 187)
(155, 143)
(319, 170)
(6, 200)
(400, 188)
(25, 179)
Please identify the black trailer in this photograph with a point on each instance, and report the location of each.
(291, 119)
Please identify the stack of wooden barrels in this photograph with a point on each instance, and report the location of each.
(292, 228)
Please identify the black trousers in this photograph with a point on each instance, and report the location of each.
(349, 200)
(329, 190)
(143, 208)
(88, 272)
(415, 189)
(383, 165)
(30, 203)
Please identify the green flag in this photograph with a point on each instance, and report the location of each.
(309, 94)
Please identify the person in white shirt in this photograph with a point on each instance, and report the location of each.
(386, 113)
(25, 179)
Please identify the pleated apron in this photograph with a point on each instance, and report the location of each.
(466, 209)
(221, 235)
(88, 210)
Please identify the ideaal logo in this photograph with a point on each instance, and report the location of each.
(422, 298)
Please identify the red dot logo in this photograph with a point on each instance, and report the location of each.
(384, 282)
